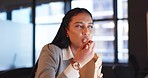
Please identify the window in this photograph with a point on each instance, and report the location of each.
(110, 30)
(48, 23)
(3, 16)
(21, 15)
(104, 39)
(16, 40)
(123, 41)
(98, 8)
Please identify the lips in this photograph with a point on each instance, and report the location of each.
(84, 40)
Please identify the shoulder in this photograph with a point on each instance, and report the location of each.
(52, 46)
(52, 49)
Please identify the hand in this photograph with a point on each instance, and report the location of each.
(85, 53)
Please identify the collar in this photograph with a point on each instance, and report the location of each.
(67, 53)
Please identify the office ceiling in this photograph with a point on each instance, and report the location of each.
(6, 5)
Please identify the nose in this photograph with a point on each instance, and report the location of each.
(85, 31)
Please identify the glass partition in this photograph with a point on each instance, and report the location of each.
(16, 45)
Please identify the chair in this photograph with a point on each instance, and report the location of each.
(107, 72)
(122, 72)
(17, 73)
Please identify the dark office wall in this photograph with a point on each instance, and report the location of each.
(138, 53)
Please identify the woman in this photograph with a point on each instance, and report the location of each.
(71, 53)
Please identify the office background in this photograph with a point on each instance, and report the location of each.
(120, 32)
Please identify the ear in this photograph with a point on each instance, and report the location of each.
(67, 32)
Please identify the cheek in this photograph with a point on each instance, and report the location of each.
(73, 34)
(91, 34)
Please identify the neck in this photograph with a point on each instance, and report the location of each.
(73, 49)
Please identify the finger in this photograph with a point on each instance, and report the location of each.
(91, 45)
(83, 45)
(87, 44)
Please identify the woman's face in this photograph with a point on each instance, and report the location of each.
(80, 29)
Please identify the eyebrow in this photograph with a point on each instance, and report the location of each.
(82, 23)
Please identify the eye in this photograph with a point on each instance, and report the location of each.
(91, 27)
(79, 26)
